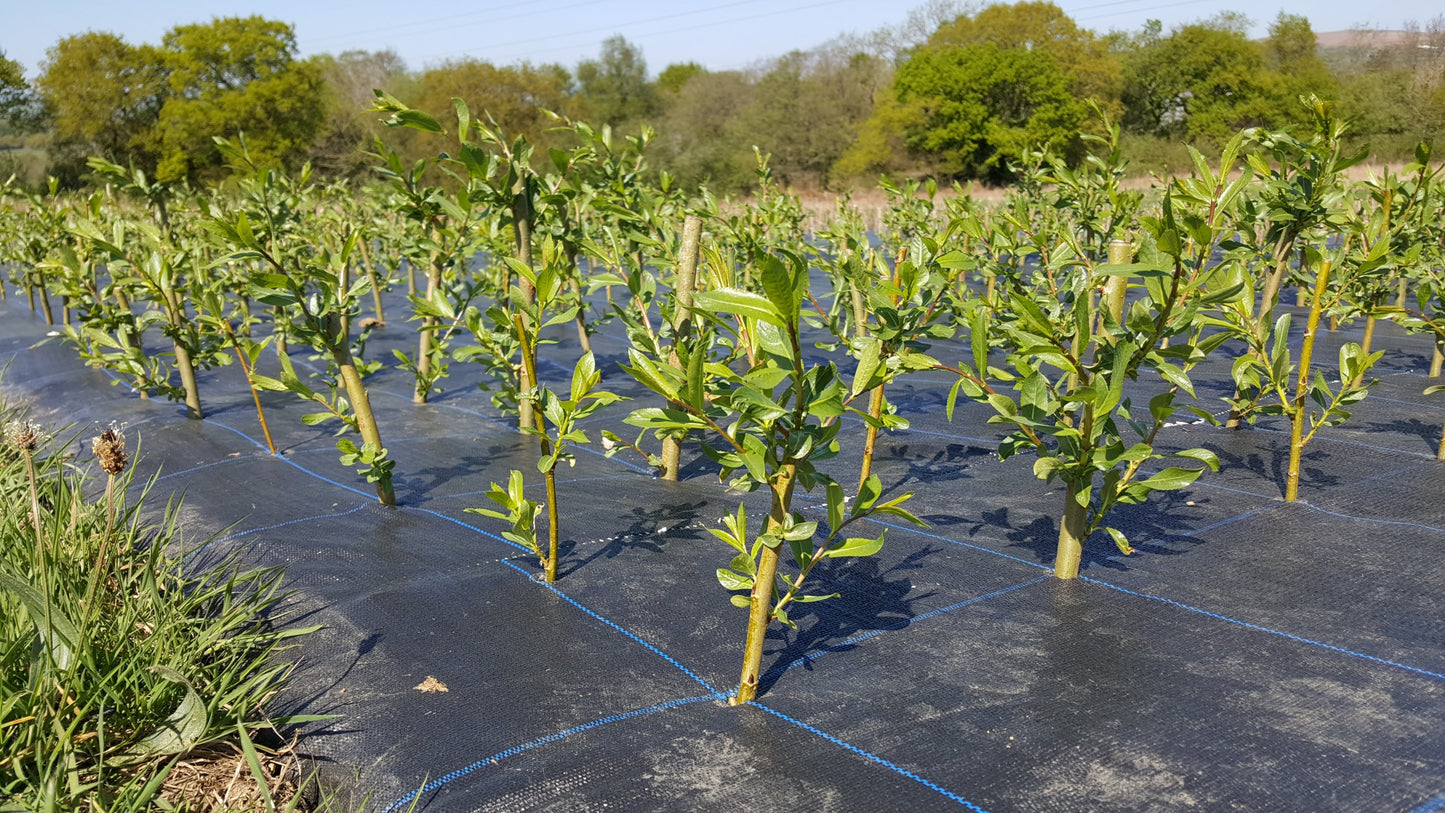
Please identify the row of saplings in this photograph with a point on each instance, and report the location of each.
(1063, 295)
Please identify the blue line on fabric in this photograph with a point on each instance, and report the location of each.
(1438, 803)
(812, 656)
(406, 440)
(1328, 439)
(250, 531)
(291, 462)
(440, 515)
(1421, 404)
(960, 544)
(202, 466)
(629, 633)
(1372, 519)
(874, 758)
(1246, 624)
(460, 494)
(529, 745)
(1258, 628)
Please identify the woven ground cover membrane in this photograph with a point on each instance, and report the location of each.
(1252, 655)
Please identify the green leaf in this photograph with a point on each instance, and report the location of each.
(262, 382)
(856, 546)
(867, 364)
(1120, 541)
(978, 341)
(1204, 456)
(742, 303)
(741, 601)
(835, 506)
(1171, 479)
(733, 581)
(801, 530)
(414, 119)
(582, 376)
(1177, 377)
(696, 365)
(779, 285)
(61, 636)
(184, 727)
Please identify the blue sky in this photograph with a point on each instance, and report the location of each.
(720, 34)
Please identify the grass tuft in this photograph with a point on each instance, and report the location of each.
(124, 676)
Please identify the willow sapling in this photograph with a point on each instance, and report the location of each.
(557, 430)
(907, 305)
(1070, 373)
(1299, 194)
(303, 278)
(775, 423)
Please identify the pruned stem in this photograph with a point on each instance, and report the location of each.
(361, 407)
(45, 303)
(1072, 532)
(375, 280)
(1302, 384)
(187, 369)
(424, 345)
(760, 608)
(682, 325)
(1365, 344)
(255, 395)
(870, 438)
(551, 478)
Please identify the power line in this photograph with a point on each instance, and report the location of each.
(615, 26)
(444, 23)
(1142, 10)
(676, 30)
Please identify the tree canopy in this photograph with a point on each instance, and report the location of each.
(236, 76)
(957, 91)
(983, 105)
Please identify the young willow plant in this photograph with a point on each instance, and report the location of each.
(773, 423)
(1285, 387)
(1069, 366)
(1298, 197)
(306, 277)
(557, 430)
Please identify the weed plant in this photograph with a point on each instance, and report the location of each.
(118, 663)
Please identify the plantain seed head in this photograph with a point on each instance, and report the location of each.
(109, 448)
(23, 435)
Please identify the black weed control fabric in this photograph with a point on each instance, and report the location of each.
(1253, 654)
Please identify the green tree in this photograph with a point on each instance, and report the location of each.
(881, 146)
(615, 84)
(982, 106)
(17, 98)
(1205, 80)
(104, 97)
(1293, 52)
(807, 110)
(1038, 25)
(699, 140)
(674, 76)
(236, 75)
(515, 97)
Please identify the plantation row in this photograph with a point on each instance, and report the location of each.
(756, 338)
